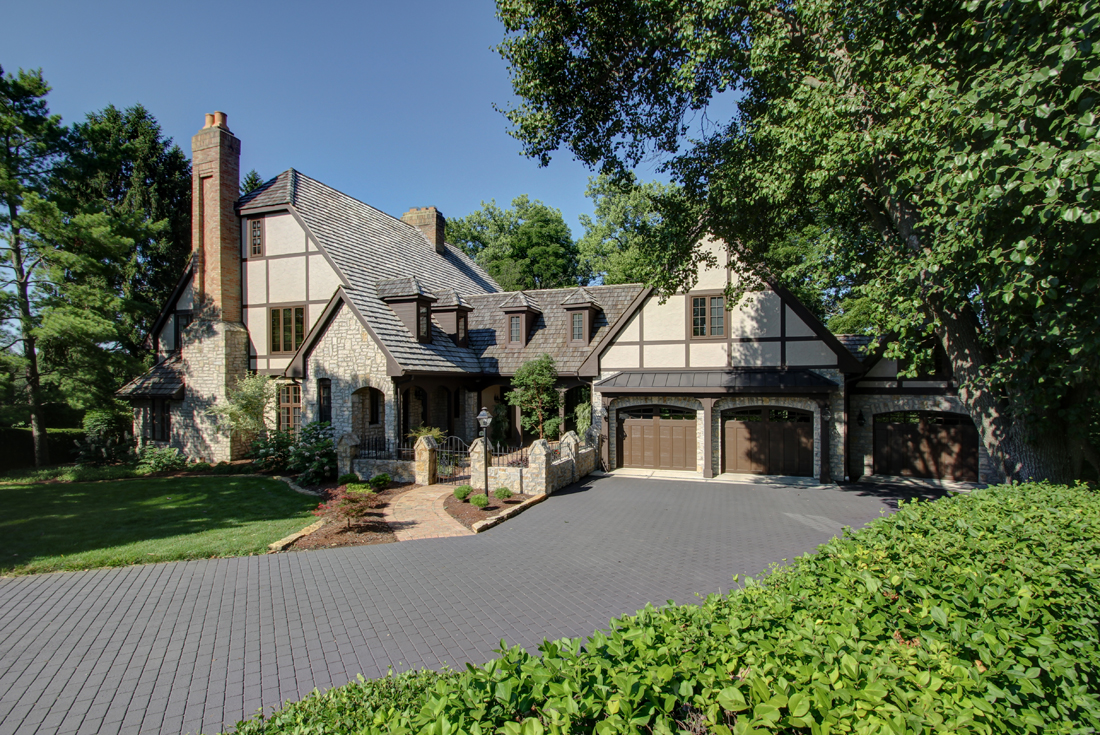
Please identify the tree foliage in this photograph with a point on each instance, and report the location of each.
(523, 247)
(947, 150)
(251, 182)
(625, 217)
(246, 407)
(534, 391)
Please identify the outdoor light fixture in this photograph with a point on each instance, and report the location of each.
(483, 420)
(860, 420)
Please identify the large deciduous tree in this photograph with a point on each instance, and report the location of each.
(947, 150)
(526, 246)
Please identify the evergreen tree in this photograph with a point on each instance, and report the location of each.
(251, 182)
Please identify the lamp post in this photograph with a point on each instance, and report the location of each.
(483, 420)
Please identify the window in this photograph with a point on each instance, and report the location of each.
(375, 407)
(514, 329)
(578, 327)
(461, 328)
(159, 426)
(324, 400)
(708, 316)
(422, 319)
(183, 319)
(256, 237)
(290, 408)
(288, 327)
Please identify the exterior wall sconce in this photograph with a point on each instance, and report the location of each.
(859, 418)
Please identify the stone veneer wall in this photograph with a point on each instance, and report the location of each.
(214, 356)
(863, 437)
(348, 356)
(398, 470)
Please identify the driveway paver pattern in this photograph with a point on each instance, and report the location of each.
(197, 646)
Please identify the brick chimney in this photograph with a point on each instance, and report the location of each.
(431, 222)
(215, 227)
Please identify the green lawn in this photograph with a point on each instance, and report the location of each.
(50, 527)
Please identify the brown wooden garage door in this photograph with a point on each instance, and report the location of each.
(657, 437)
(769, 441)
(926, 444)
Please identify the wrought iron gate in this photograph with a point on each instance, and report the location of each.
(453, 461)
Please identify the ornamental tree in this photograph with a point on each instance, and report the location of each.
(947, 152)
(534, 391)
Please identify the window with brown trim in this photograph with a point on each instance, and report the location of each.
(461, 329)
(708, 317)
(324, 400)
(256, 237)
(578, 326)
(290, 408)
(375, 406)
(182, 320)
(423, 322)
(159, 426)
(288, 329)
(515, 332)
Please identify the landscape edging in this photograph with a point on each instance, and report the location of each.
(488, 523)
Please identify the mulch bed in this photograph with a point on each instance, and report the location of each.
(468, 515)
(370, 529)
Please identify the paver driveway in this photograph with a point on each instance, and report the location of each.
(196, 646)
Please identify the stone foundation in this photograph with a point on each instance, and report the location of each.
(398, 470)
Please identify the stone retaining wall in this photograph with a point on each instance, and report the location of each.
(398, 470)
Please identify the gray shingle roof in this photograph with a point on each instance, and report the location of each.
(580, 297)
(855, 343)
(397, 287)
(549, 333)
(449, 298)
(163, 380)
(369, 247)
(520, 300)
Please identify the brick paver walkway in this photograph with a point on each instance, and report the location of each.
(196, 646)
(419, 513)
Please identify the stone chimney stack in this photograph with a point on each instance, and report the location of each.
(431, 222)
(215, 227)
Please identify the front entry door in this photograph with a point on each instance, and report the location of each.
(769, 441)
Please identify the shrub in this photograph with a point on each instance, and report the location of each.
(96, 450)
(350, 502)
(115, 421)
(200, 467)
(246, 407)
(162, 459)
(313, 456)
(479, 501)
(233, 468)
(271, 451)
(347, 477)
(381, 481)
(502, 493)
(438, 434)
(463, 491)
(974, 613)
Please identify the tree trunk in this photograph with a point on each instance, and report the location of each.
(30, 351)
(1021, 453)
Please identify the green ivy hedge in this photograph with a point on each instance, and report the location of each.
(17, 447)
(979, 613)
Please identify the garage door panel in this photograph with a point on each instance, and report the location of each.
(766, 447)
(925, 444)
(655, 443)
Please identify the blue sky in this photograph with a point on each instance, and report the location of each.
(390, 102)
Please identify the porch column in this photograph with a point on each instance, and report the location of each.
(826, 422)
(605, 433)
(561, 410)
(708, 446)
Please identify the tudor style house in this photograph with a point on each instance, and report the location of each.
(377, 325)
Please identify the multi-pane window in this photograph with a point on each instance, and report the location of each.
(159, 426)
(324, 401)
(514, 329)
(256, 237)
(421, 321)
(708, 316)
(461, 328)
(578, 327)
(288, 328)
(290, 408)
(183, 319)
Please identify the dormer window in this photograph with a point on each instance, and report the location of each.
(515, 326)
(423, 322)
(578, 327)
(462, 330)
(581, 309)
(520, 315)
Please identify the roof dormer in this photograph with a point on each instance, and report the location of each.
(452, 313)
(412, 305)
(581, 309)
(520, 313)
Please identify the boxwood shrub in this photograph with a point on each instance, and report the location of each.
(978, 613)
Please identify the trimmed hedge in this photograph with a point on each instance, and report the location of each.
(978, 613)
(17, 447)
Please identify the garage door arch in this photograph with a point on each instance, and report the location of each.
(730, 403)
(626, 404)
(766, 440)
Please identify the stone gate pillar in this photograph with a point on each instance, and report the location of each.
(427, 461)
